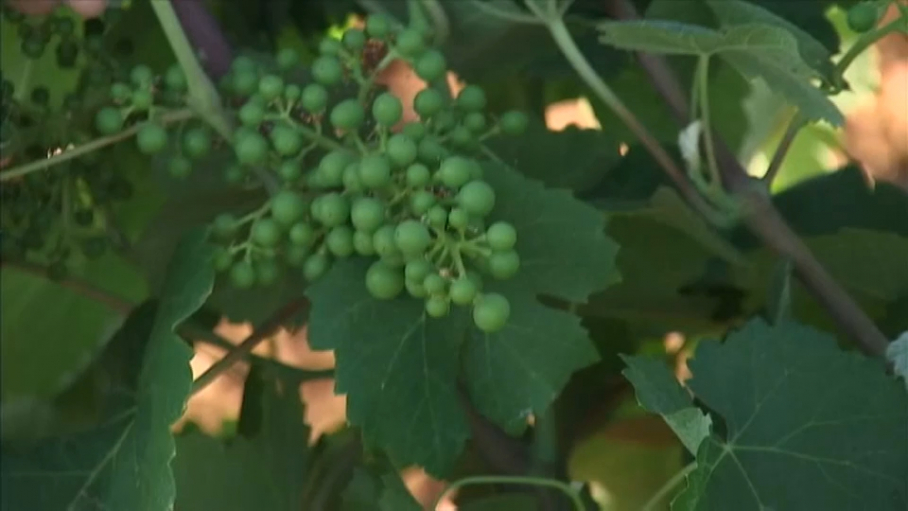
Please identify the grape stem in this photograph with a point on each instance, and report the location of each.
(308, 132)
(868, 39)
(522, 480)
(94, 145)
(666, 489)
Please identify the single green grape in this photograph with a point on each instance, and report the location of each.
(383, 241)
(415, 130)
(431, 66)
(224, 226)
(314, 98)
(387, 110)
(863, 17)
(120, 92)
(222, 260)
(151, 138)
(242, 275)
(292, 93)
(375, 171)
(286, 140)
(418, 175)
(354, 39)
(491, 312)
(287, 207)
(415, 288)
(245, 82)
(234, 174)
(330, 46)
(316, 266)
(418, 269)
(175, 79)
(421, 201)
(501, 236)
(476, 198)
(463, 291)
(456, 171)
(435, 284)
(265, 232)
(431, 151)
(340, 241)
(513, 123)
(301, 234)
(333, 165)
(412, 237)
(475, 122)
(378, 26)
(461, 137)
(142, 99)
(271, 87)
(367, 214)
(251, 114)
(108, 120)
(196, 142)
(437, 217)
(458, 218)
(243, 63)
(428, 102)
(251, 148)
(504, 264)
(295, 255)
(334, 209)
(438, 306)
(290, 171)
(141, 75)
(401, 150)
(351, 181)
(362, 243)
(179, 167)
(327, 71)
(383, 281)
(348, 115)
(410, 42)
(287, 58)
(471, 99)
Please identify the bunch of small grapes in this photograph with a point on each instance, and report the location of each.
(36, 34)
(355, 181)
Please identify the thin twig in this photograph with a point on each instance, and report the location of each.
(668, 487)
(791, 132)
(240, 351)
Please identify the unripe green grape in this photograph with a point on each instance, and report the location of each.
(196, 142)
(476, 198)
(383, 241)
(316, 266)
(431, 151)
(286, 140)
(251, 114)
(475, 122)
(222, 260)
(435, 284)
(224, 226)
(287, 58)
(383, 281)
(410, 42)
(412, 237)
(151, 138)
(431, 66)
(415, 130)
(295, 255)
(501, 236)
(415, 288)
(287, 207)
(387, 110)
(251, 148)
(265, 233)
(271, 87)
(504, 264)
(352, 182)
(463, 291)
(348, 115)
(330, 46)
(491, 312)
(458, 218)
(314, 98)
(401, 149)
(362, 243)
(513, 123)
(437, 217)
(863, 17)
(120, 92)
(242, 275)
(179, 167)
(340, 241)
(290, 171)
(418, 175)
(327, 71)
(421, 201)
(455, 171)
(375, 171)
(471, 99)
(377, 26)
(334, 210)
(108, 120)
(418, 269)
(292, 92)
(243, 63)
(428, 102)
(244, 82)
(141, 99)
(175, 79)
(333, 165)
(301, 234)
(354, 39)
(141, 75)
(461, 137)
(367, 214)
(437, 306)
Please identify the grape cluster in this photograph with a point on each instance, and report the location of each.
(353, 179)
(36, 35)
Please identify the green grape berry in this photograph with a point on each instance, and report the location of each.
(222, 260)
(458, 218)
(340, 241)
(141, 76)
(290, 171)
(431, 151)
(401, 149)
(251, 148)
(196, 142)
(287, 207)
(491, 312)
(434, 284)
(120, 92)
(242, 275)
(437, 306)
(354, 39)
(418, 269)
(142, 99)
(108, 120)
(224, 226)
(412, 237)
(437, 217)
(347, 115)
(456, 171)
(287, 58)
(428, 102)
(476, 198)
(175, 79)
(151, 138)
(410, 42)
(504, 264)
(332, 167)
(234, 174)
(351, 180)
(463, 291)
(367, 214)
(251, 114)
(387, 109)
(316, 266)
(271, 87)
(301, 234)
(245, 82)
(333, 209)
(362, 243)
(314, 98)
(179, 166)
(286, 140)
(384, 243)
(377, 26)
(295, 255)
(513, 123)
(375, 171)
(501, 236)
(266, 233)
(431, 66)
(863, 17)
(415, 130)
(292, 93)
(421, 201)
(327, 71)
(330, 46)
(383, 281)
(418, 175)
(461, 137)
(415, 288)
(471, 99)
(475, 122)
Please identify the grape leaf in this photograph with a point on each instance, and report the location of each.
(755, 50)
(658, 391)
(262, 469)
(397, 367)
(897, 353)
(808, 425)
(366, 491)
(125, 462)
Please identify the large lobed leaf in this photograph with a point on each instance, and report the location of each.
(807, 426)
(124, 463)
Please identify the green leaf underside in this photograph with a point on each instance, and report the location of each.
(755, 50)
(808, 425)
(397, 367)
(263, 471)
(658, 391)
(124, 463)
